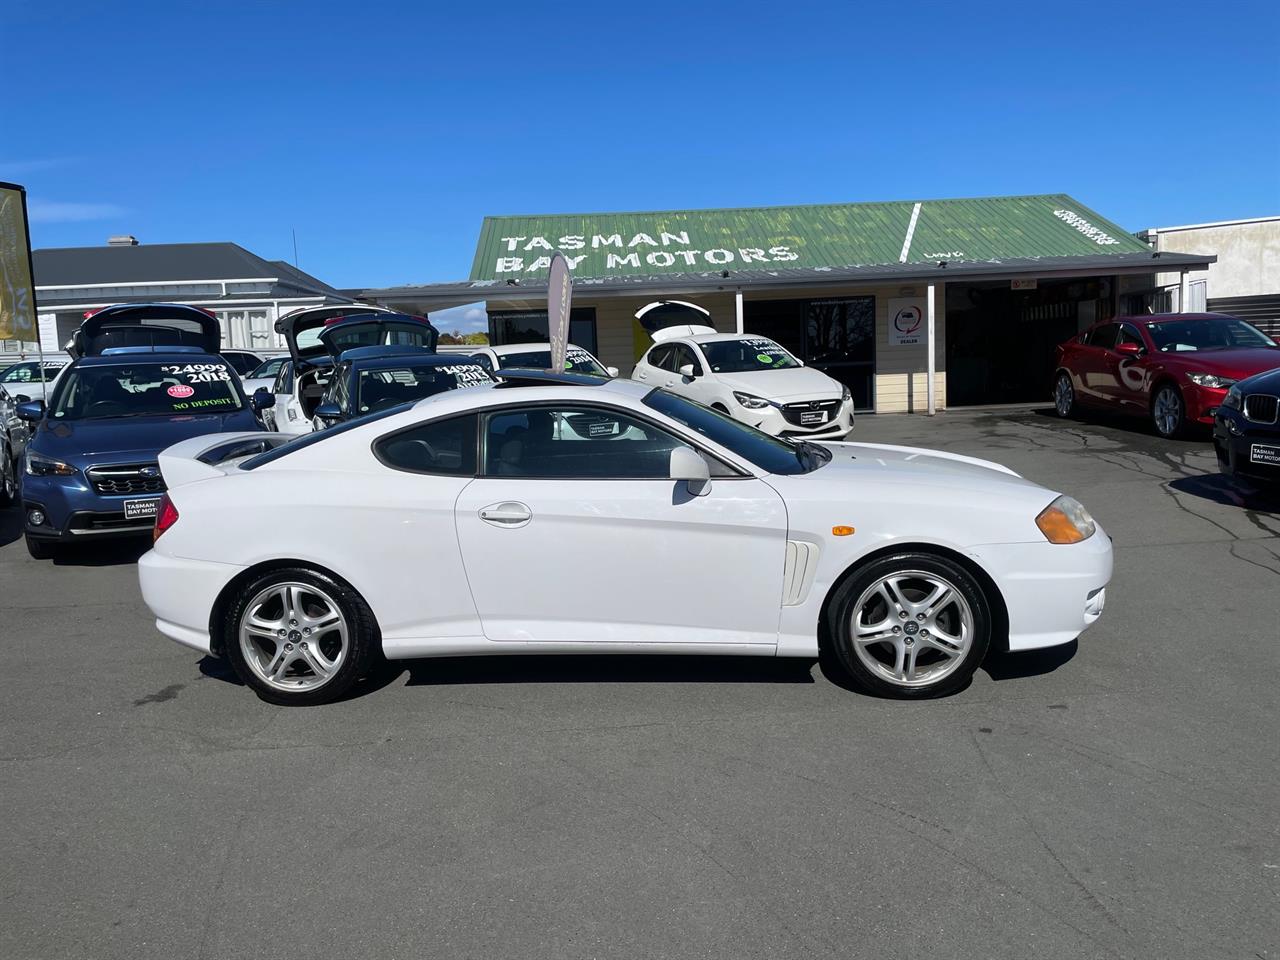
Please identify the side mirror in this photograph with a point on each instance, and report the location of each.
(689, 371)
(262, 399)
(1129, 349)
(328, 411)
(611, 371)
(30, 410)
(21, 398)
(688, 465)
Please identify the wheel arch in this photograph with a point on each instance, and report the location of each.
(990, 589)
(227, 595)
(1163, 379)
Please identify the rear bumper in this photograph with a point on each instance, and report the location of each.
(181, 594)
(1053, 592)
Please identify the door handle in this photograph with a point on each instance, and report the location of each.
(509, 513)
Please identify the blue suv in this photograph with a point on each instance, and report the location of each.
(143, 377)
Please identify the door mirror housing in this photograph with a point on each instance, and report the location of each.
(21, 398)
(262, 399)
(689, 371)
(688, 465)
(31, 411)
(1129, 349)
(328, 411)
(611, 371)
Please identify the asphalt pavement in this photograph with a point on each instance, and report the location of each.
(1115, 798)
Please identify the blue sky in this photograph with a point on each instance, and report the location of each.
(383, 133)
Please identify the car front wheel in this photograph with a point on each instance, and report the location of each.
(1064, 396)
(1168, 411)
(911, 625)
(8, 478)
(299, 637)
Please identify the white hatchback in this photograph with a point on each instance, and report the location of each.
(585, 515)
(751, 378)
(537, 356)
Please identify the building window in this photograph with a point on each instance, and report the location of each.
(531, 327)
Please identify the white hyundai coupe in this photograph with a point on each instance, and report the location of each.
(565, 514)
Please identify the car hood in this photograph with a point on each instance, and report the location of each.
(790, 384)
(1268, 382)
(1236, 364)
(75, 441)
(918, 464)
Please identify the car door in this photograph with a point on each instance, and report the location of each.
(574, 532)
(1128, 379)
(651, 368)
(1091, 365)
(683, 355)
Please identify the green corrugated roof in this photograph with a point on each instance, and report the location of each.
(825, 235)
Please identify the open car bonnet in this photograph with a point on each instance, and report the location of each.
(398, 332)
(146, 326)
(301, 329)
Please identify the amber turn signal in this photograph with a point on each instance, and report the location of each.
(1065, 521)
(842, 531)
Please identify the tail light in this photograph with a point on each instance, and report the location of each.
(166, 517)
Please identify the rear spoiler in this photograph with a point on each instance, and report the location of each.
(202, 458)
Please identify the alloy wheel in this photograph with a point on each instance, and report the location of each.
(1167, 411)
(1063, 396)
(912, 628)
(294, 636)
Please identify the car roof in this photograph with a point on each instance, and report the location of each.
(122, 359)
(714, 338)
(1164, 317)
(572, 388)
(370, 360)
(365, 355)
(530, 347)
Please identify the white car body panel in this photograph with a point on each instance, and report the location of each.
(605, 565)
(497, 355)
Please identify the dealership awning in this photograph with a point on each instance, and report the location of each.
(437, 296)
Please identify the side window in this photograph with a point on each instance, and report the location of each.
(439, 446)
(576, 442)
(19, 374)
(284, 380)
(660, 356)
(483, 360)
(1103, 336)
(684, 354)
(1129, 335)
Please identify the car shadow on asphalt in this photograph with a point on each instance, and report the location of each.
(1230, 492)
(10, 525)
(1003, 665)
(614, 668)
(1194, 435)
(105, 553)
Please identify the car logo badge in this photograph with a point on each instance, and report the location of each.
(813, 404)
(150, 472)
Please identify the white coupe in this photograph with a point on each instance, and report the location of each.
(563, 514)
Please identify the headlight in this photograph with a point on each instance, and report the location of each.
(1065, 521)
(751, 402)
(1232, 400)
(845, 395)
(38, 466)
(1210, 380)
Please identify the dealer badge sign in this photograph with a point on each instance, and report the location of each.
(906, 322)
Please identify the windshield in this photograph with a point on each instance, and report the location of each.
(747, 355)
(391, 386)
(1206, 333)
(142, 389)
(771, 454)
(268, 368)
(576, 360)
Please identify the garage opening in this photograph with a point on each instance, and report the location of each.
(1000, 341)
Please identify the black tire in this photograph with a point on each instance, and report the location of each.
(1169, 421)
(41, 549)
(959, 670)
(363, 638)
(1064, 396)
(8, 478)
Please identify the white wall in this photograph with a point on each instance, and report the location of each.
(1248, 254)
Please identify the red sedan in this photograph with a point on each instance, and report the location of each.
(1174, 368)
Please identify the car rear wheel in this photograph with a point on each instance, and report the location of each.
(299, 637)
(8, 478)
(1168, 411)
(1064, 396)
(911, 626)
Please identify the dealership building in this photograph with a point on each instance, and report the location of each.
(861, 291)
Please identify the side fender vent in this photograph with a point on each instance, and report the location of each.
(798, 570)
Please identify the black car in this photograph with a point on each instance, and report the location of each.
(1246, 428)
(368, 379)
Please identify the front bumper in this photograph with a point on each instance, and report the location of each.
(772, 421)
(1202, 403)
(1234, 440)
(1052, 592)
(181, 594)
(73, 510)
